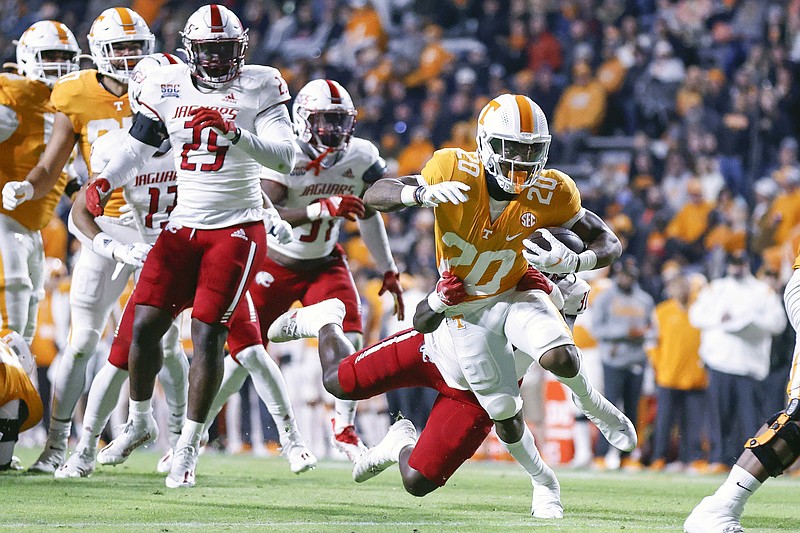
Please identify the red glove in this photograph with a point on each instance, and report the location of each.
(533, 280)
(205, 117)
(96, 194)
(347, 206)
(391, 283)
(450, 291)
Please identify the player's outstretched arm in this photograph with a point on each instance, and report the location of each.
(390, 194)
(43, 177)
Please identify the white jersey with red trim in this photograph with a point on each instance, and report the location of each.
(348, 175)
(219, 183)
(576, 294)
(152, 193)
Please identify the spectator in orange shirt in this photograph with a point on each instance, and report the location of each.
(579, 112)
(680, 378)
(688, 228)
(433, 60)
(415, 154)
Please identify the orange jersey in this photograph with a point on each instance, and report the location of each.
(30, 99)
(93, 111)
(796, 264)
(488, 255)
(16, 385)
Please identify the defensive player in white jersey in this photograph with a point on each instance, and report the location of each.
(150, 196)
(485, 204)
(45, 51)
(332, 170)
(457, 424)
(88, 104)
(225, 120)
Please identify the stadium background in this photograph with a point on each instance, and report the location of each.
(678, 119)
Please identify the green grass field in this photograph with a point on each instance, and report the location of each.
(247, 493)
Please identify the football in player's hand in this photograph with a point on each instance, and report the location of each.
(568, 237)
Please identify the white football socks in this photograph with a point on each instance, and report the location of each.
(527, 455)
(102, 399)
(191, 434)
(69, 382)
(738, 488)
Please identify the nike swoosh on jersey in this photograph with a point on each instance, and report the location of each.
(510, 238)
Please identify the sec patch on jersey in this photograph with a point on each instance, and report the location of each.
(568, 237)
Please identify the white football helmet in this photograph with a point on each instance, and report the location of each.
(323, 115)
(46, 51)
(14, 340)
(115, 28)
(215, 44)
(513, 141)
(143, 69)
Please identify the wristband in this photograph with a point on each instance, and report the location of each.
(104, 244)
(314, 211)
(586, 261)
(408, 195)
(237, 136)
(436, 304)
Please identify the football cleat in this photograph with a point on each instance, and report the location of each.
(132, 436)
(50, 459)
(383, 455)
(299, 456)
(713, 516)
(348, 442)
(181, 475)
(165, 463)
(615, 426)
(78, 465)
(546, 502)
(305, 322)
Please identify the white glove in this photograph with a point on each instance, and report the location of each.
(130, 254)
(126, 217)
(15, 193)
(448, 191)
(277, 227)
(558, 260)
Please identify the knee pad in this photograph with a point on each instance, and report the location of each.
(481, 373)
(781, 427)
(84, 341)
(503, 406)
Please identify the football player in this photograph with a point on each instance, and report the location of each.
(769, 453)
(87, 104)
(485, 205)
(20, 405)
(46, 51)
(226, 120)
(332, 170)
(457, 424)
(150, 196)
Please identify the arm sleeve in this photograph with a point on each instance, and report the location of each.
(272, 145)
(375, 172)
(373, 232)
(75, 230)
(126, 163)
(8, 122)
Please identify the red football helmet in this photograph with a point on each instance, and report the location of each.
(215, 44)
(323, 115)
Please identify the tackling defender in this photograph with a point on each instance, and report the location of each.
(332, 170)
(88, 104)
(225, 120)
(768, 454)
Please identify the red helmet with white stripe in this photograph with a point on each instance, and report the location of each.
(323, 115)
(513, 141)
(215, 43)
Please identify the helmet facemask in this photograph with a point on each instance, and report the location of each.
(52, 64)
(514, 165)
(216, 62)
(331, 129)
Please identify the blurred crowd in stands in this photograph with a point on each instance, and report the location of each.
(679, 119)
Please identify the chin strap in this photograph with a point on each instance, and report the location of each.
(316, 164)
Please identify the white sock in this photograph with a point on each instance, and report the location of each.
(69, 382)
(344, 414)
(527, 455)
(579, 383)
(59, 433)
(102, 399)
(174, 378)
(271, 388)
(738, 487)
(191, 434)
(582, 438)
(140, 411)
(232, 380)
(320, 318)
